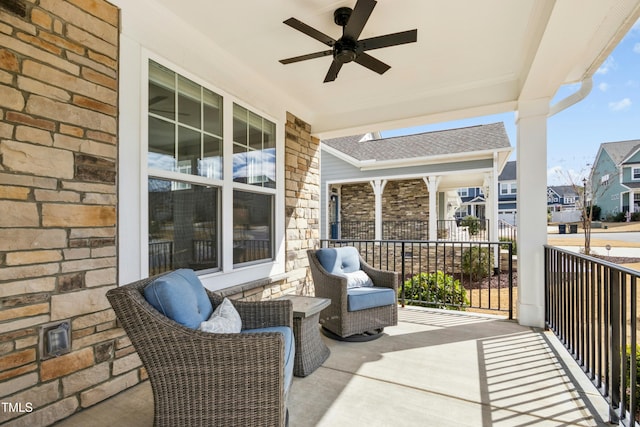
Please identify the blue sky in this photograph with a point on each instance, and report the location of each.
(611, 112)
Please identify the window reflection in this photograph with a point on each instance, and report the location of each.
(252, 227)
(183, 226)
(254, 153)
(185, 125)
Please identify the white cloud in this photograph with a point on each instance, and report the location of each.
(621, 105)
(608, 64)
(603, 86)
(636, 48)
(557, 175)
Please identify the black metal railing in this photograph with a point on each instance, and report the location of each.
(507, 232)
(591, 305)
(464, 229)
(391, 230)
(160, 257)
(483, 270)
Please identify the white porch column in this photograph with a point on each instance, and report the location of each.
(378, 188)
(432, 185)
(532, 209)
(490, 190)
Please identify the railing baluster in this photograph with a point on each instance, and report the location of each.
(410, 257)
(591, 305)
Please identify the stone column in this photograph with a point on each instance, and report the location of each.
(532, 209)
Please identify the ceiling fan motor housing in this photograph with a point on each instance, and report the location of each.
(345, 50)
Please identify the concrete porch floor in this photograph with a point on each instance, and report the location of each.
(435, 368)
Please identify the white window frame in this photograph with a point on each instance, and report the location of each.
(635, 173)
(463, 192)
(133, 199)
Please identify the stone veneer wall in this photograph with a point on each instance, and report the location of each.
(58, 256)
(302, 202)
(58, 201)
(405, 200)
(401, 200)
(357, 202)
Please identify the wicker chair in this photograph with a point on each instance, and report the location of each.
(205, 379)
(360, 325)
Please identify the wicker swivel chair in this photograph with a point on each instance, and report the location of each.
(205, 379)
(340, 319)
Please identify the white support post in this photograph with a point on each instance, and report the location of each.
(432, 185)
(378, 188)
(532, 209)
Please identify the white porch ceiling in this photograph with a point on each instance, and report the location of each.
(472, 57)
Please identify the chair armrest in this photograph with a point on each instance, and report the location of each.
(264, 314)
(380, 278)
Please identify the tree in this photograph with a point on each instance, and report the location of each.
(588, 190)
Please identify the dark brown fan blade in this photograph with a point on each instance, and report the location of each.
(334, 69)
(372, 63)
(359, 18)
(389, 40)
(310, 31)
(305, 57)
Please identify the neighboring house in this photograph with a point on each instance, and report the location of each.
(382, 186)
(615, 178)
(473, 202)
(559, 198)
(562, 198)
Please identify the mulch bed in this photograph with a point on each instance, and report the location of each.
(502, 280)
(494, 282)
(618, 259)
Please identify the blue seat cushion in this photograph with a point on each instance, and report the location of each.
(339, 260)
(289, 350)
(180, 296)
(369, 297)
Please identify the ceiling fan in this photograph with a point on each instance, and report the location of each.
(348, 48)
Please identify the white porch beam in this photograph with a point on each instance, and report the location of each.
(432, 185)
(532, 209)
(378, 189)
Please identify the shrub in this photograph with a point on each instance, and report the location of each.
(597, 211)
(514, 245)
(435, 290)
(620, 217)
(472, 223)
(628, 364)
(635, 216)
(477, 262)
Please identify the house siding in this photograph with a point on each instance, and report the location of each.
(607, 197)
(635, 158)
(336, 170)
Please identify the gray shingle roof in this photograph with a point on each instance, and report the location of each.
(509, 172)
(463, 140)
(564, 190)
(618, 151)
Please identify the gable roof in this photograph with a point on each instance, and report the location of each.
(428, 144)
(564, 190)
(619, 151)
(509, 172)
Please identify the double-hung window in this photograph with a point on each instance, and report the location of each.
(635, 173)
(254, 177)
(186, 160)
(184, 163)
